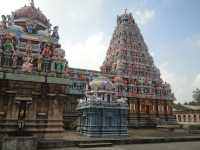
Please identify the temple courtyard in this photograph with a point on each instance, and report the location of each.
(136, 134)
(137, 139)
(162, 146)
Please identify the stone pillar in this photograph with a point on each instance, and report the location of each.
(138, 110)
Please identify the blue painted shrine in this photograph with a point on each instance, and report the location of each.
(101, 113)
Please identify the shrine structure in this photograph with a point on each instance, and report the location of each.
(32, 75)
(101, 113)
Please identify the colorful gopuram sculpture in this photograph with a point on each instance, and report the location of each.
(32, 77)
(136, 77)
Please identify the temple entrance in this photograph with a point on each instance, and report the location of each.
(147, 108)
(23, 104)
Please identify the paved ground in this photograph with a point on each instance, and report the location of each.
(164, 146)
(135, 133)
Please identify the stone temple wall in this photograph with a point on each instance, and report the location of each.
(38, 104)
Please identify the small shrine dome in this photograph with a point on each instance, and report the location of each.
(30, 13)
(101, 83)
(125, 18)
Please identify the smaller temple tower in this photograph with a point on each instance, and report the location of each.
(101, 114)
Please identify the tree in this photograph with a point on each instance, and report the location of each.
(196, 95)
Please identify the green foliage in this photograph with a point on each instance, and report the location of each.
(196, 95)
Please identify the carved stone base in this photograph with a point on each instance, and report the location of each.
(19, 143)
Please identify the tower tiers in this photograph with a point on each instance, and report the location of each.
(136, 77)
(128, 58)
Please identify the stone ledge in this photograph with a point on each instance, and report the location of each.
(51, 143)
(18, 143)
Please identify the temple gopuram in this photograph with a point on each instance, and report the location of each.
(131, 69)
(39, 93)
(136, 77)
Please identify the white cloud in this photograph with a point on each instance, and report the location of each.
(144, 16)
(180, 84)
(88, 54)
(196, 82)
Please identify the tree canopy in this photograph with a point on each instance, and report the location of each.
(196, 95)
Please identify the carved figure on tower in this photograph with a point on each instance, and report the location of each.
(54, 59)
(8, 46)
(55, 34)
(29, 49)
(27, 65)
(60, 62)
(4, 21)
(39, 63)
(14, 58)
(10, 20)
(29, 27)
(46, 51)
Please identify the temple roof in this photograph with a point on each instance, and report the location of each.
(101, 83)
(125, 18)
(187, 108)
(30, 12)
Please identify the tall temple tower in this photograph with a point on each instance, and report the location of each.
(136, 76)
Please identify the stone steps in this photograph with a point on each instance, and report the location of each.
(89, 145)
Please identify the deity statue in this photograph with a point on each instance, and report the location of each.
(27, 65)
(9, 20)
(29, 49)
(46, 51)
(30, 26)
(39, 63)
(54, 59)
(8, 48)
(55, 34)
(14, 58)
(60, 62)
(18, 36)
(46, 64)
(118, 20)
(66, 69)
(4, 21)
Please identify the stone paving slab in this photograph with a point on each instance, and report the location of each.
(160, 146)
(138, 136)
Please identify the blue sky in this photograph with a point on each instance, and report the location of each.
(170, 29)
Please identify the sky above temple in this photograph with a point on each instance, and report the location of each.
(170, 29)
